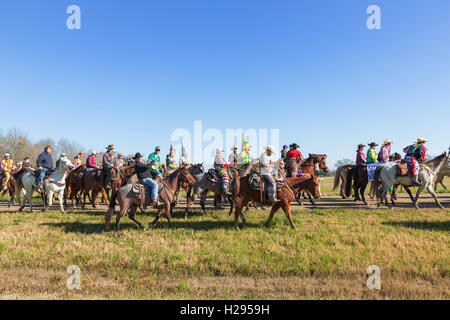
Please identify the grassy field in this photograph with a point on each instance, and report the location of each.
(205, 258)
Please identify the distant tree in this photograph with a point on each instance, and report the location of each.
(70, 148)
(343, 162)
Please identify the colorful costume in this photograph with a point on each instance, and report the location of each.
(109, 161)
(155, 160)
(171, 161)
(8, 167)
(385, 152)
(233, 158)
(77, 162)
(184, 160)
(221, 167)
(414, 154)
(372, 156)
(244, 156)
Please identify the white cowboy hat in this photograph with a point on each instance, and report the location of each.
(219, 150)
(7, 155)
(388, 141)
(94, 152)
(268, 148)
(233, 147)
(63, 155)
(420, 140)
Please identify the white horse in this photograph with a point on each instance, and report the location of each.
(54, 185)
(444, 172)
(387, 173)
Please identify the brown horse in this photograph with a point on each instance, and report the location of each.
(10, 187)
(341, 176)
(315, 162)
(74, 181)
(93, 181)
(244, 193)
(306, 182)
(130, 201)
(119, 178)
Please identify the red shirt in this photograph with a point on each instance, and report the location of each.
(294, 154)
(91, 162)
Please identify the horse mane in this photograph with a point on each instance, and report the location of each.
(437, 161)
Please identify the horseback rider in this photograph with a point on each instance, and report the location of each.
(372, 156)
(119, 160)
(221, 167)
(415, 154)
(360, 155)
(233, 158)
(77, 161)
(109, 162)
(146, 174)
(26, 162)
(171, 161)
(267, 172)
(44, 163)
(8, 167)
(293, 159)
(184, 160)
(385, 151)
(284, 152)
(155, 160)
(244, 157)
(91, 161)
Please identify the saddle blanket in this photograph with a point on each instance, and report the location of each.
(371, 167)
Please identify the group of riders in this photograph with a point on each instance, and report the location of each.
(414, 154)
(147, 171)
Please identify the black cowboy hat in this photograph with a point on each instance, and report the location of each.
(361, 145)
(110, 147)
(294, 145)
(158, 148)
(137, 155)
(372, 144)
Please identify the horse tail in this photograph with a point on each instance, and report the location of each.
(337, 177)
(376, 181)
(110, 212)
(348, 184)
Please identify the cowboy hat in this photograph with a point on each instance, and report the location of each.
(94, 152)
(268, 148)
(158, 148)
(218, 150)
(233, 147)
(294, 145)
(7, 155)
(387, 141)
(372, 144)
(110, 147)
(421, 140)
(137, 155)
(361, 145)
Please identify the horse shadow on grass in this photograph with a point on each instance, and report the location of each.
(422, 225)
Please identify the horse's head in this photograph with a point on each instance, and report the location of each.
(64, 164)
(197, 169)
(185, 176)
(395, 156)
(319, 161)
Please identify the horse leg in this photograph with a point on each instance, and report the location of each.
(60, 199)
(274, 209)
(123, 211)
(419, 191)
(167, 209)
(237, 213)
(230, 199)
(430, 190)
(409, 193)
(203, 202)
(158, 215)
(132, 216)
(362, 190)
(287, 211)
(104, 196)
(49, 202)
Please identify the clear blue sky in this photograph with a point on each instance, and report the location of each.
(137, 70)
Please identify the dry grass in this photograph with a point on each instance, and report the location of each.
(204, 257)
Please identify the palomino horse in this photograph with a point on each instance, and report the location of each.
(130, 201)
(341, 176)
(387, 174)
(244, 193)
(54, 184)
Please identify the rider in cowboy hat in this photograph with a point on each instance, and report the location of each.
(7, 166)
(414, 154)
(372, 156)
(91, 161)
(221, 167)
(109, 161)
(360, 156)
(267, 171)
(294, 153)
(44, 163)
(233, 158)
(385, 151)
(146, 174)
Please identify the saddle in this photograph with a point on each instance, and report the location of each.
(258, 183)
(35, 173)
(144, 191)
(403, 168)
